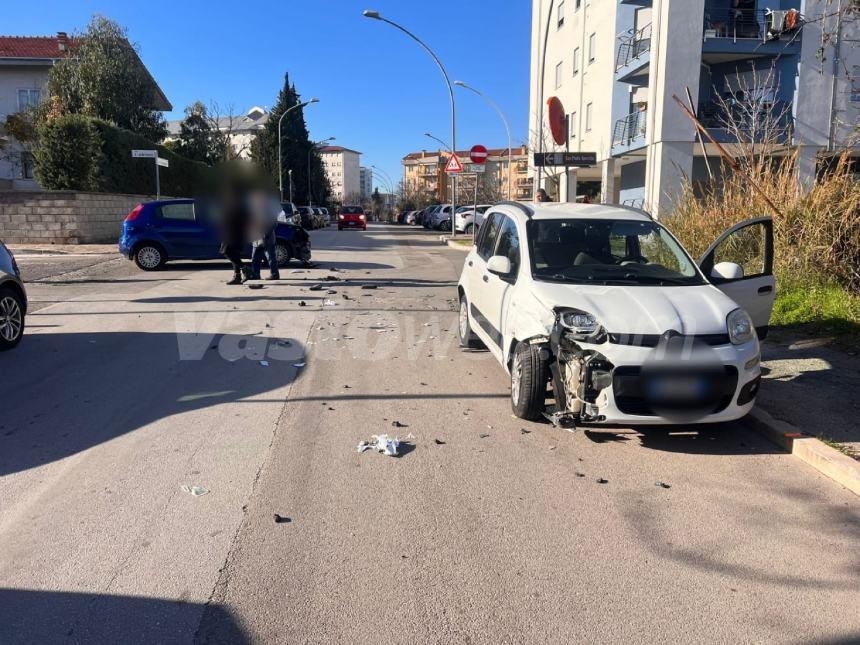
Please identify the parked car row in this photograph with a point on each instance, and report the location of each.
(438, 217)
(312, 217)
(601, 310)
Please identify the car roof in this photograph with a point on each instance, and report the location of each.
(570, 210)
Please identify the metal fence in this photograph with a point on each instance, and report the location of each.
(632, 46)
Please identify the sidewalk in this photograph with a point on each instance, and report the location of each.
(813, 383)
(62, 249)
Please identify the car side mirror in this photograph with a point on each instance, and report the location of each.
(499, 265)
(727, 271)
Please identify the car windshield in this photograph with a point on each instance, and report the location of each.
(351, 210)
(606, 251)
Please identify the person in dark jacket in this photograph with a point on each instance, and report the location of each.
(265, 217)
(234, 233)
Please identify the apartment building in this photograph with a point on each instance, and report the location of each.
(365, 180)
(25, 62)
(424, 173)
(616, 66)
(342, 167)
(242, 128)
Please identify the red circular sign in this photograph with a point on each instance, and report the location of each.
(478, 154)
(557, 121)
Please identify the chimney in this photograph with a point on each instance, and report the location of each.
(62, 40)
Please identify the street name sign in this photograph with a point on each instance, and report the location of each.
(144, 154)
(164, 163)
(576, 159)
(473, 168)
(453, 166)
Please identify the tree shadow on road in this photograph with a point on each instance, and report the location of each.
(28, 616)
(65, 393)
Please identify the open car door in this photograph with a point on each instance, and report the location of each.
(740, 264)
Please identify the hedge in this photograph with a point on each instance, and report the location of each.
(103, 163)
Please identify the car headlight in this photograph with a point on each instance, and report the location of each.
(584, 325)
(740, 327)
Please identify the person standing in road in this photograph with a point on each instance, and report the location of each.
(234, 228)
(266, 221)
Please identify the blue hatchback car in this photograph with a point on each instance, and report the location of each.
(182, 229)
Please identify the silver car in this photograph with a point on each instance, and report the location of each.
(13, 300)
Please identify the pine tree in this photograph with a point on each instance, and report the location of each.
(296, 144)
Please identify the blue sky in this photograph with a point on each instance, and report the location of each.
(378, 90)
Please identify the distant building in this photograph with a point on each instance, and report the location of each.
(342, 167)
(424, 173)
(25, 62)
(365, 180)
(242, 129)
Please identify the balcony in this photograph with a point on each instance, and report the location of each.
(631, 62)
(732, 34)
(525, 181)
(629, 132)
(747, 121)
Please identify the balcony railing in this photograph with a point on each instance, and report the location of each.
(757, 24)
(630, 128)
(749, 120)
(632, 45)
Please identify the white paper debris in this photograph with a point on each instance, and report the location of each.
(197, 491)
(264, 363)
(382, 444)
(298, 364)
(329, 303)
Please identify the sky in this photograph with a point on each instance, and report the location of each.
(379, 90)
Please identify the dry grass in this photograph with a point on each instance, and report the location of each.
(817, 232)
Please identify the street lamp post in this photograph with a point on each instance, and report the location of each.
(311, 149)
(540, 98)
(367, 13)
(507, 129)
(280, 165)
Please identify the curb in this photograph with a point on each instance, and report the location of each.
(454, 245)
(828, 461)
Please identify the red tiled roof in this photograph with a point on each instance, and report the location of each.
(464, 154)
(52, 47)
(338, 149)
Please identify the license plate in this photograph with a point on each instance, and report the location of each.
(677, 388)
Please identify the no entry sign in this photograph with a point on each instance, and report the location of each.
(478, 154)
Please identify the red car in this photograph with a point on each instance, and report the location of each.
(351, 217)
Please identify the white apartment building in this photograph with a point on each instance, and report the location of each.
(242, 128)
(365, 180)
(616, 65)
(342, 167)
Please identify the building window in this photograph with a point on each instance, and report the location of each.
(27, 98)
(27, 165)
(576, 61)
(578, 3)
(571, 125)
(592, 48)
(558, 76)
(588, 117)
(560, 14)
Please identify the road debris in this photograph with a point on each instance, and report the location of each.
(368, 286)
(255, 286)
(579, 474)
(439, 442)
(601, 480)
(264, 363)
(397, 424)
(329, 303)
(662, 485)
(316, 287)
(302, 303)
(197, 491)
(382, 444)
(524, 431)
(298, 364)
(483, 435)
(282, 519)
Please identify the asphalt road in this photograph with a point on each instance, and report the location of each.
(130, 385)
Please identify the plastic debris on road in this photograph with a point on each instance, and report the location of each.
(298, 364)
(282, 519)
(381, 443)
(197, 491)
(264, 363)
(329, 303)
(662, 485)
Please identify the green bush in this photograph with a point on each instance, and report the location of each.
(75, 152)
(68, 156)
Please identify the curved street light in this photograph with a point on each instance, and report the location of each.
(507, 129)
(314, 144)
(368, 13)
(280, 164)
(445, 146)
(540, 100)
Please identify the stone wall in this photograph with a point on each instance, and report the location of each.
(61, 217)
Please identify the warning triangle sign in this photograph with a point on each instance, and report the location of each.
(453, 165)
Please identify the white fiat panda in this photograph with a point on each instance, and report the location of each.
(600, 315)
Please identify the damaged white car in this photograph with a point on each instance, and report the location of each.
(600, 315)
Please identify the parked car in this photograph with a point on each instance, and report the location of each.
(465, 217)
(289, 214)
(410, 217)
(326, 219)
(156, 232)
(427, 219)
(13, 300)
(319, 217)
(442, 217)
(308, 217)
(351, 217)
(605, 305)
